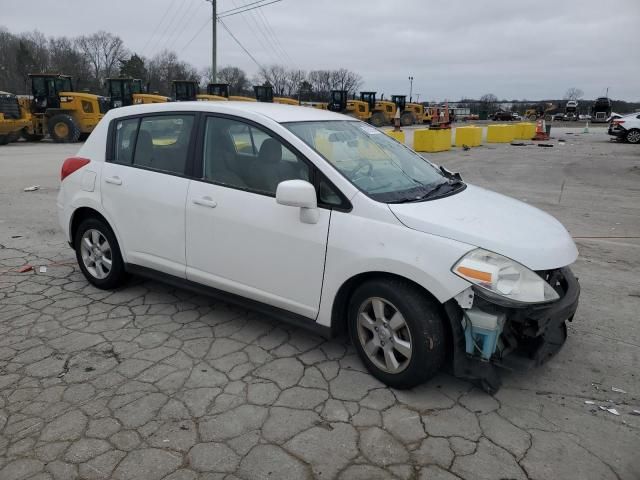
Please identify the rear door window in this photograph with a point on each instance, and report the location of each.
(162, 143)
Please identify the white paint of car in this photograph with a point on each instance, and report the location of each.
(234, 246)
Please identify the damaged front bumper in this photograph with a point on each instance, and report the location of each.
(531, 334)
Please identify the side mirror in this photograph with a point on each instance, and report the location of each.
(299, 193)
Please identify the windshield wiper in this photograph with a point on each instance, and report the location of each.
(436, 191)
(449, 174)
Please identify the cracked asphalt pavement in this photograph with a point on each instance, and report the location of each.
(151, 382)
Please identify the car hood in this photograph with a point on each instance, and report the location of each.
(494, 222)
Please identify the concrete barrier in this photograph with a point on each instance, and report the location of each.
(399, 136)
(500, 133)
(471, 136)
(428, 140)
(525, 130)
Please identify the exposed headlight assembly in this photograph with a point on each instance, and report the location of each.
(500, 276)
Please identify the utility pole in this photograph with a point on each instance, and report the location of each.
(214, 46)
(410, 88)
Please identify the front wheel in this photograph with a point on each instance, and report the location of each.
(63, 129)
(378, 119)
(98, 254)
(633, 136)
(397, 331)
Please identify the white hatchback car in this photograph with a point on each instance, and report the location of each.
(326, 222)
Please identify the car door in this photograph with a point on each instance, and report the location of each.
(238, 238)
(144, 188)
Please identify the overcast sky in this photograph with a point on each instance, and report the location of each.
(535, 49)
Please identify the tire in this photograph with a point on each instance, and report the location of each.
(407, 119)
(633, 136)
(89, 243)
(83, 137)
(374, 305)
(14, 136)
(63, 129)
(4, 139)
(378, 119)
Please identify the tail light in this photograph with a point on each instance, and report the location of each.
(618, 122)
(72, 164)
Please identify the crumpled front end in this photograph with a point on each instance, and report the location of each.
(513, 337)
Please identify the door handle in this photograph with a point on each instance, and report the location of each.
(205, 202)
(113, 180)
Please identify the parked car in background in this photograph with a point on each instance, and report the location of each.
(502, 115)
(557, 116)
(626, 128)
(516, 116)
(584, 117)
(325, 222)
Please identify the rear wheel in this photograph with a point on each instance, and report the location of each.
(397, 331)
(63, 129)
(378, 119)
(407, 119)
(4, 139)
(633, 136)
(98, 254)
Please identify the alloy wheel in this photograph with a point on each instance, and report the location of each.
(96, 253)
(384, 335)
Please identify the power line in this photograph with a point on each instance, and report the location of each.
(198, 32)
(273, 52)
(248, 9)
(240, 44)
(155, 30)
(240, 7)
(180, 23)
(266, 22)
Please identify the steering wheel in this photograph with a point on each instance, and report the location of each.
(362, 163)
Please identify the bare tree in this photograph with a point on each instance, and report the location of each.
(488, 102)
(235, 77)
(104, 52)
(165, 67)
(344, 79)
(573, 94)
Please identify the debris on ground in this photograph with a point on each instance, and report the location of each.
(635, 412)
(548, 145)
(466, 147)
(32, 188)
(42, 269)
(518, 144)
(617, 390)
(589, 402)
(25, 268)
(610, 410)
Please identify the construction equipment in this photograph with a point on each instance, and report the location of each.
(542, 110)
(264, 93)
(382, 111)
(222, 90)
(356, 108)
(407, 114)
(123, 92)
(601, 109)
(12, 121)
(56, 109)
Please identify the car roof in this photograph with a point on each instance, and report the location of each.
(275, 111)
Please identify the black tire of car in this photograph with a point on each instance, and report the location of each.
(72, 130)
(424, 320)
(117, 275)
(633, 136)
(378, 119)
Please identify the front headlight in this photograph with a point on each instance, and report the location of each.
(504, 277)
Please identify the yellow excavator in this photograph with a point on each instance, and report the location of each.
(12, 119)
(356, 108)
(222, 90)
(123, 92)
(54, 108)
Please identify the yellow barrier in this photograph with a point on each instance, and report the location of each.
(427, 140)
(399, 136)
(525, 130)
(470, 136)
(500, 133)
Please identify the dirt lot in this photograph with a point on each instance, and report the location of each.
(150, 382)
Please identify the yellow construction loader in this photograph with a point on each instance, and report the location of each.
(189, 91)
(356, 108)
(382, 111)
(222, 90)
(264, 93)
(54, 108)
(123, 92)
(12, 120)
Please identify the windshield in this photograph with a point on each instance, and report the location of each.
(382, 168)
